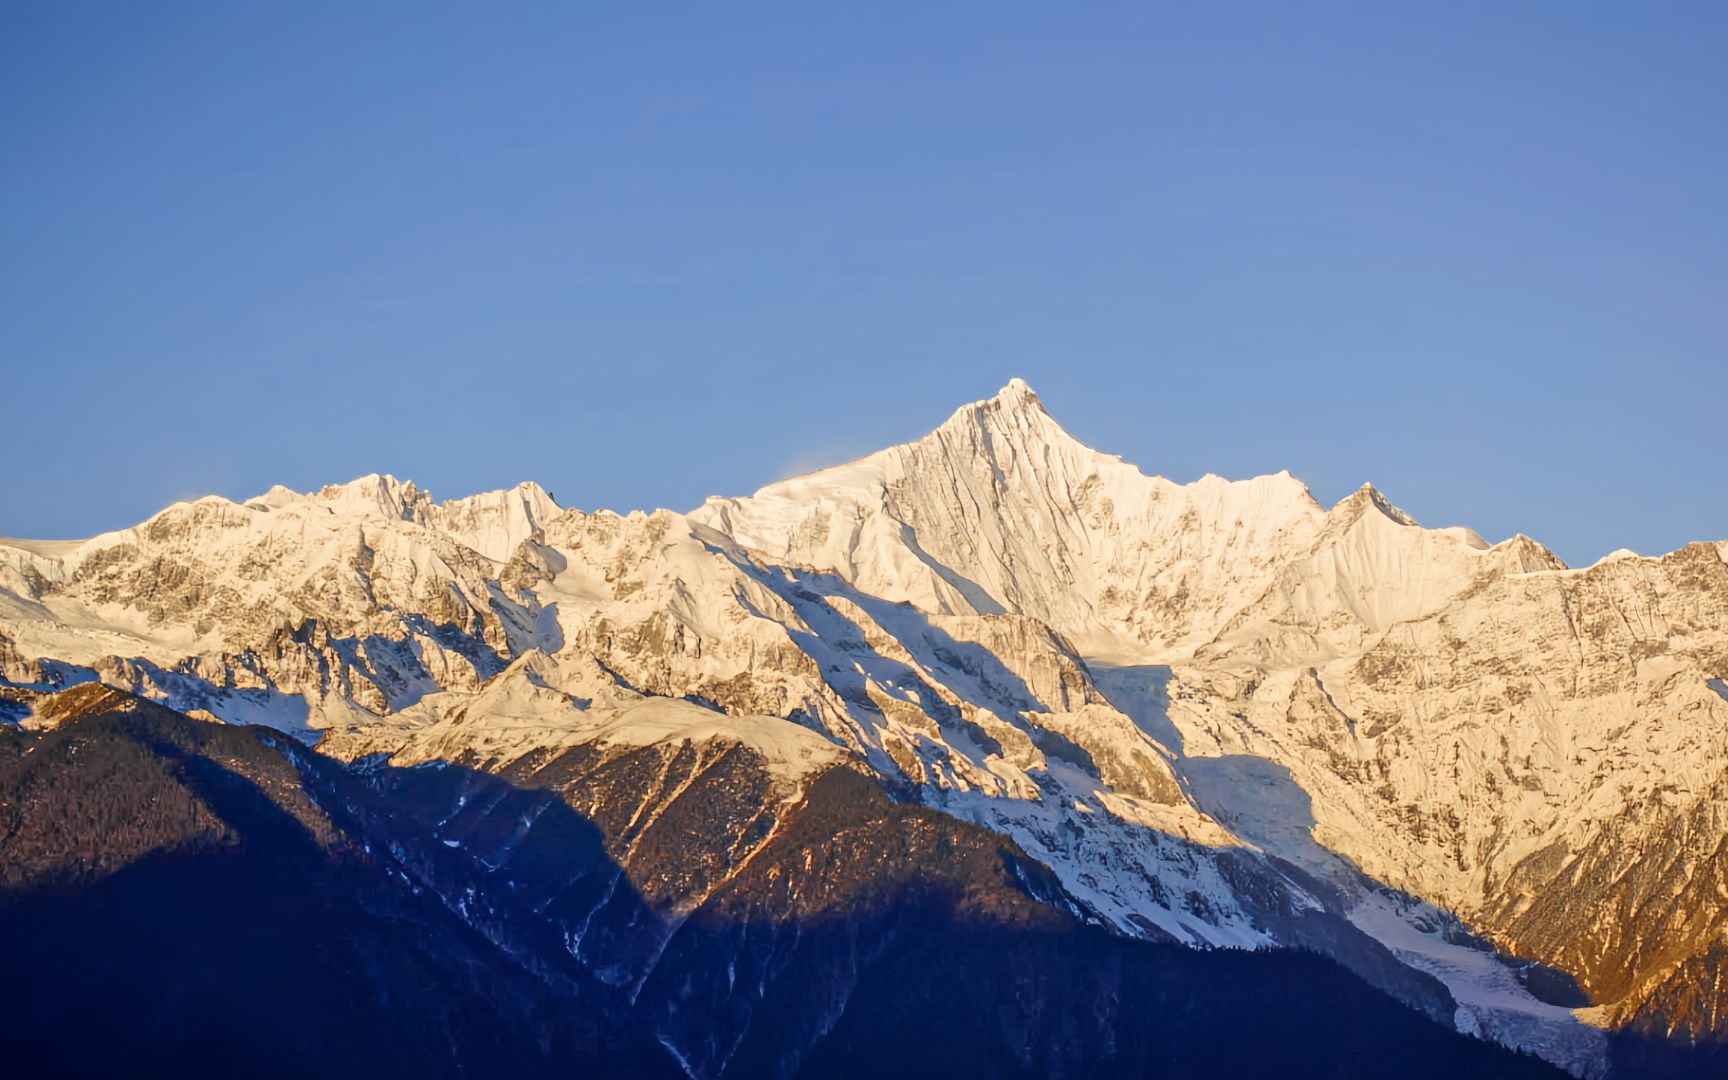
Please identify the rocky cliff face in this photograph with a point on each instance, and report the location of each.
(1218, 713)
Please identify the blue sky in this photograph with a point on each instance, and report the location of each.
(643, 253)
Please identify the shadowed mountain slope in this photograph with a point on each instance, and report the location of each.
(189, 897)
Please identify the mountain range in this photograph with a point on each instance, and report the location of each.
(988, 751)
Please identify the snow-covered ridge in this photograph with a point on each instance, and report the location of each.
(492, 523)
(1000, 509)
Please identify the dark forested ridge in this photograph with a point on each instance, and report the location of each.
(179, 897)
(188, 898)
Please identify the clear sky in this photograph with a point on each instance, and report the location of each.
(1476, 253)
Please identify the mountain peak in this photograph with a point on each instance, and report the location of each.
(1366, 496)
(1015, 399)
(1014, 408)
(1016, 396)
(374, 493)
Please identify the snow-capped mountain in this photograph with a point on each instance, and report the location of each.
(1219, 713)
